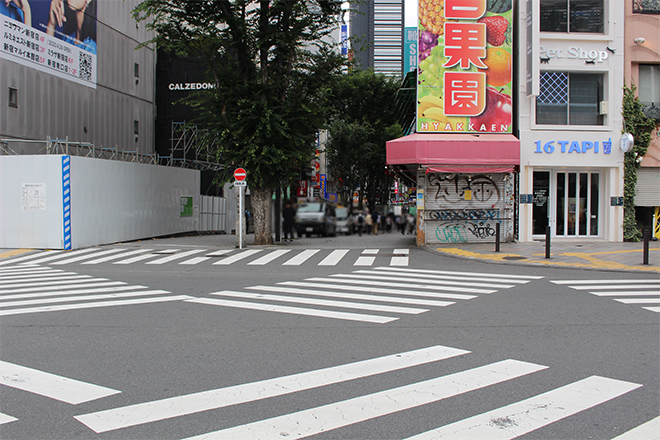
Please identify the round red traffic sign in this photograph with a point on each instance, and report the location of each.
(240, 174)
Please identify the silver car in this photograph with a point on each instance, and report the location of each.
(316, 218)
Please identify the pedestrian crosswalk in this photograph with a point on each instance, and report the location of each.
(37, 289)
(221, 257)
(379, 295)
(644, 292)
(490, 381)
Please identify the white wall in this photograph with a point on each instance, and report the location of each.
(111, 201)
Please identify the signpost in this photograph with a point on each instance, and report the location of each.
(239, 175)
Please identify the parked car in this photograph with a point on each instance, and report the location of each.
(316, 218)
(344, 221)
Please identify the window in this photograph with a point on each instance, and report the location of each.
(13, 97)
(136, 127)
(567, 98)
(572, 16)
(649, 84)
(646, 6)
(136, 70)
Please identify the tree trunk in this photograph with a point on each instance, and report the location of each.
(261, 200)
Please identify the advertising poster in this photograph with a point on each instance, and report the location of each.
(464, 70)
(53, 36)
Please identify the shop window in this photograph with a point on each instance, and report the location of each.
(572, 16)
(13, 97)
(567, 98)
(646, 6)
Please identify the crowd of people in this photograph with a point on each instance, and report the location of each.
(371, 224)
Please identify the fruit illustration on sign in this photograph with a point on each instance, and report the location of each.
(497, 113)
(498, 61)
(497, 29)
(432, 16)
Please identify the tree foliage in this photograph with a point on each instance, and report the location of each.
(362, 119)
(637, 124)
(270, 63)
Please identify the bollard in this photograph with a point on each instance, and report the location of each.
(547, 242)
(647, 238)
(497, 237)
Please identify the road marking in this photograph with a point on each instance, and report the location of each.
(401, 285)
(334, 294)
(34, 275)
(23, 269)
(639, 300)
(219, 253)
(136, 259)
(148, 412)
(652, 309)
(61, 299)
(29, 257)
(90, 283)
(269, 257)
(237, 257)
(93, 305)
(55, 255)
(50, 385)
(334, 257)
(424, 274)
(176, 256)
(295, 310)
(367, 259)
(301, 257)
(72, 279)
(87, 256)
(462, 274)
(117, 257)
(321, 302)
(72, 292)
(4, 418)
(401, 259)
(519, 418)
(195, 260)
(649, 431)
(608, 282)
(650, 293)
(638, 286)
(336, 415)
(368, 275)
(378, 290)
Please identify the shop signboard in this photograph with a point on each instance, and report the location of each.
(465, 61)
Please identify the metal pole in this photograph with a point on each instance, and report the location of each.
(547, 242)
(497, 237)
(647, 238)
(240, 217)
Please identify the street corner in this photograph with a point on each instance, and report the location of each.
(13, 252)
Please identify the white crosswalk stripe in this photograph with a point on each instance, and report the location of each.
(4, 418)
(506, 422)
(636, 292)
(647, 431)
(69, 291)
(50, 385)
(363, 290)
(222, 257)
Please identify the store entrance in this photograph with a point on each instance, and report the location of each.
(568, 202)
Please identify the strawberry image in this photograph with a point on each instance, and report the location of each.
(496, 29)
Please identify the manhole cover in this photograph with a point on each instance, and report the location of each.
(515, 258)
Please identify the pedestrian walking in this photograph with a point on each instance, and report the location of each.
(289, 214)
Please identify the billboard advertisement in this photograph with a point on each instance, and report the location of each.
(53, 36)
(464, 81)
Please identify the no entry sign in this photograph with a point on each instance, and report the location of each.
(240, 174)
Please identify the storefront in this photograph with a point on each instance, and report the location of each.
(571, 182)
(466, 184)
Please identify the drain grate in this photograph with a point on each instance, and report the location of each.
(515, 258)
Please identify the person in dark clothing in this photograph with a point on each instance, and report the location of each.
(289, 215)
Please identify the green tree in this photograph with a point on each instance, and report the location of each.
(363, 118)
(637, 124)
(269, 62)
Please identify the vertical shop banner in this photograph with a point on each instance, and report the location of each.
(464, 81)
(409, 50)
(30, 36)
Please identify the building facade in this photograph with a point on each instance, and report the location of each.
(570, 123)
(88, 85)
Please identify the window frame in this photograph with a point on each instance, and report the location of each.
(12, 100)
(576, 34)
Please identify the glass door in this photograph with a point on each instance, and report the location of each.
(576, 208)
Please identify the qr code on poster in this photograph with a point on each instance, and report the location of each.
(85, 66)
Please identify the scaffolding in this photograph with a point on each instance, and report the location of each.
(189, 148)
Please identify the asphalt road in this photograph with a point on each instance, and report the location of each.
(427, 342)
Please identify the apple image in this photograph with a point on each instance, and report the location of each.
(496, 116)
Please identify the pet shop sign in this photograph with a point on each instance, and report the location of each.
(573, 53)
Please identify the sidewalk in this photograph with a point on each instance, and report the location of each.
(597, 255)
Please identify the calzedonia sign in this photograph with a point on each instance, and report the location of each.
(191, 86)
(465, 59)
